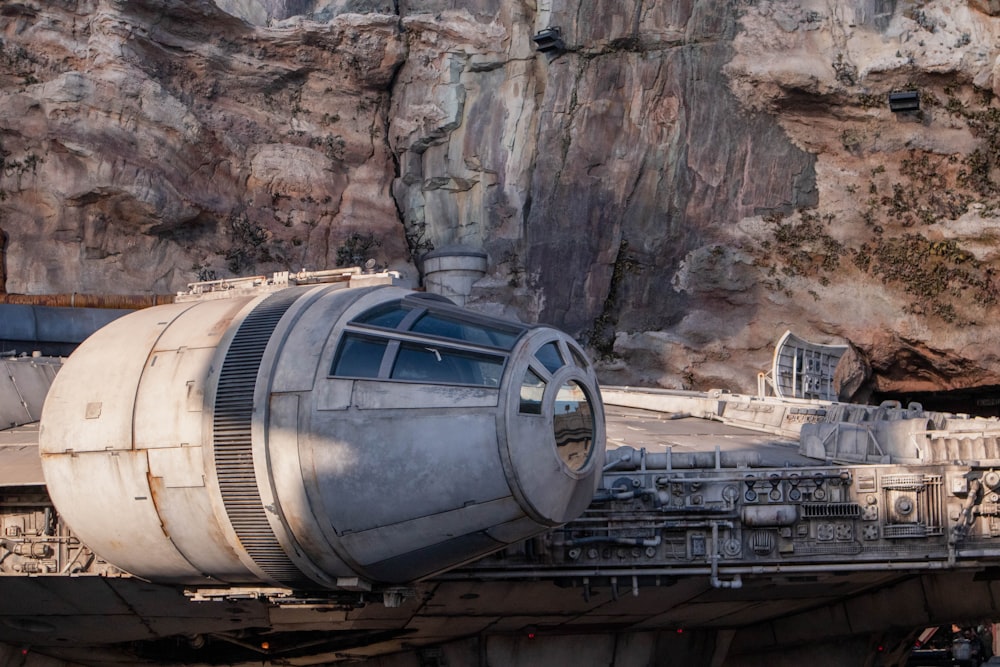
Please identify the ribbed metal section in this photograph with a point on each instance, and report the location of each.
(231, 424)
(831, 510)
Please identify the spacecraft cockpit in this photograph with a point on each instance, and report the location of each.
(318, 436)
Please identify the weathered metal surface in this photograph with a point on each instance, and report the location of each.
(52, 331)
(892, 434)
(74, 300)
(782, 417)
(314, 435)
(443, 435)
(24, 383)
(832, 583)
(802, 369)
(19, 462)
(228, 288)
(786, 514)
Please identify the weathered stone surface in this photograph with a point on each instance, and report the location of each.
(269, 12)
(895, 259)
(991, 7)
(146, 145)
(851, 377)
(682, 184)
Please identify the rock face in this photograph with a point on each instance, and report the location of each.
(681, 184)
(146, 145)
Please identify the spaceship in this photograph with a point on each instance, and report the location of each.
(326, 467)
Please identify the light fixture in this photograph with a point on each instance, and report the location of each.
(549, 40)
(907, 100)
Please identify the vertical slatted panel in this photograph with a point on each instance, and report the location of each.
(231, 438)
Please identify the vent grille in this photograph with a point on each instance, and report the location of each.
(924, 495)
(762, 542)
(903, 482)
(231, 424)
(828, 548)
(895, 531)
(831, 510)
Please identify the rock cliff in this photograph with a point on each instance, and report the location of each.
(677, 186)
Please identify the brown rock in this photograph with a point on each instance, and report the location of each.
(991, 7)
(851, 377)
(150, 144)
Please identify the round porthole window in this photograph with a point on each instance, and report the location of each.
(573, 423)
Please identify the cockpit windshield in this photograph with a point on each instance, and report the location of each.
(422, 339)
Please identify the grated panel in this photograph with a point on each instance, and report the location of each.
(231, 439)
(827, 510)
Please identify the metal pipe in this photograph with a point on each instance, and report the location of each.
(68, 565)
(754, 570)
(626, 457)
(963, 522)
(668, 460)
(20, 397)
(68, 539)
(799, 478)
(612, 494)
(648, 524)
(74, 300)
(623, 541)
(737, 580)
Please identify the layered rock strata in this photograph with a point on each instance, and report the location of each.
(676, 187)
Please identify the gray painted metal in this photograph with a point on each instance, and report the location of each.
(227, 450)
(665, 510)
(51, 329)
(802, 369)
(19, 462)
(698, 523)
(24, 383)
(839, 557)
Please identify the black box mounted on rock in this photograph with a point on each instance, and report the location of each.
(907, 100)
(549, 40)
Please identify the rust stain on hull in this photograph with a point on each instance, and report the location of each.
(117, 301)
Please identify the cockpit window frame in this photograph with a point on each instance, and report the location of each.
(402, 336)
(421, 306)
(349, 339)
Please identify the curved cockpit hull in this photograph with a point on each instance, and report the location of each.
(318, 437)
